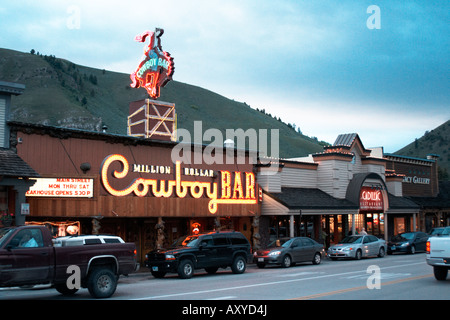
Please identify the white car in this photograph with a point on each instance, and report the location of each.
(438, 254)
(358, 246)
(85, 240)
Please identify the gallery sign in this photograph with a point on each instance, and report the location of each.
(416, 180)
(156, 67)
(370, 200)
(235, 187)
(62, 187)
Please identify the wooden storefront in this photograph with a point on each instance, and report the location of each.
(215, 196)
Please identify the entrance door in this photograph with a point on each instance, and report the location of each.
(399, 225)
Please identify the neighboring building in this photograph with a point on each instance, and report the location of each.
(15, 173)
(420, 184)
(334, 193)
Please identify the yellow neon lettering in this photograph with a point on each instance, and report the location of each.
(226, 184)
(238, 186)
(161, 188)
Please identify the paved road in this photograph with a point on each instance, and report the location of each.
(397, 277)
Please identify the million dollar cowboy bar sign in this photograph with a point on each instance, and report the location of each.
(235, 187)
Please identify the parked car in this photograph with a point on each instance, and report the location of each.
(210, 251)
(408, 242)
(29, 257)
(79, 240)
(436, 231)
(438, 254)
(288, 251)
(357, 247)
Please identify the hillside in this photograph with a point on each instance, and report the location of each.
(436, 141)
(61, 93)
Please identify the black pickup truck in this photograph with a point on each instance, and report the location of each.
(29, 256)
(210, 251)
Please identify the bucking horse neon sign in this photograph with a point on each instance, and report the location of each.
(156, 67)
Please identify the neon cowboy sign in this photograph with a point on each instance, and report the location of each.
(233, 191)
(156, 67)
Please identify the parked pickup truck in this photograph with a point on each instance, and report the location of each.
(29, 256)
(438, 254)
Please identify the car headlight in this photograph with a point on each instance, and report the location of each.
(170, 257)
(275, 253)
(404, 244)
(347, 249)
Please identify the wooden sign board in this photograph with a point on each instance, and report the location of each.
(152, 119)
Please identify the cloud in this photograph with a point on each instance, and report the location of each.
(314, 63)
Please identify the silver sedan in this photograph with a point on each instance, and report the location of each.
(358, 246)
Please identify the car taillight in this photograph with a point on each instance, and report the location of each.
(428, 247)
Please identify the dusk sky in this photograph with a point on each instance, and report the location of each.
(379, 68)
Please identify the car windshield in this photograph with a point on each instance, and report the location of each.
(3, 234)
(446, 231)
(285, 243)
(186, 241)
(352, 239)
(437, 231)
(403, 236)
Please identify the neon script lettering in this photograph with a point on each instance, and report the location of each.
(233, 191)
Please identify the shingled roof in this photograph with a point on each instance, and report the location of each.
(310, 198)
(11, 165)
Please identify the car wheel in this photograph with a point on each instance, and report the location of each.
(186, 269)
(239, 265)
(381, 253)
(440, 273)
(102, 283)
(317, 258)
(286, 262)
(412, 250)
(358, 254)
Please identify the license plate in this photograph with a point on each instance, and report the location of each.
(154, 268)
(260, 259)
(393, 248)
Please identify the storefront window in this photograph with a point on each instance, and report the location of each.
(399, 225)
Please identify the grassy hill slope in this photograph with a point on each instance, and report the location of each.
(436, 141)
(61, 93)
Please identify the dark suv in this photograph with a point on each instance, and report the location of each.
(210, 251)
